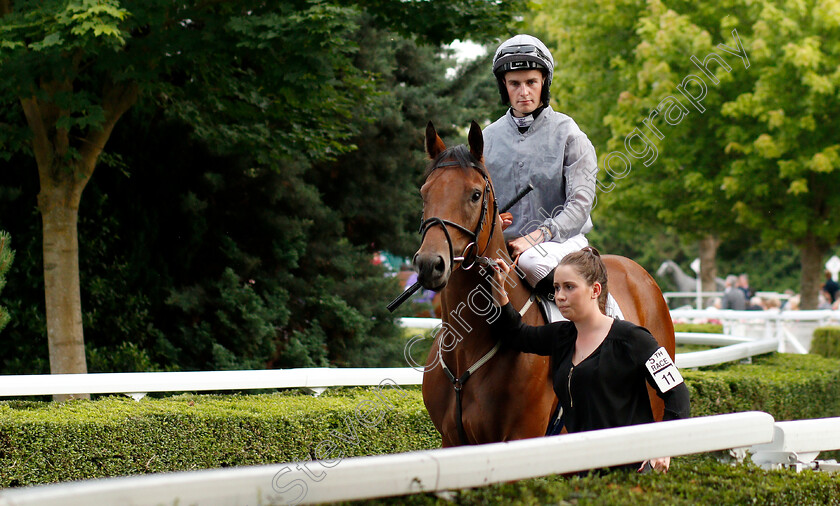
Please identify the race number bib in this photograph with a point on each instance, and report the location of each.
(664, 372)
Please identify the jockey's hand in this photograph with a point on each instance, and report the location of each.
(500, 273)
(659, 465)
(507, 220)
(521, 244)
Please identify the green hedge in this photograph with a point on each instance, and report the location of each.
(789, 387)
(43, 442)
(826, 342)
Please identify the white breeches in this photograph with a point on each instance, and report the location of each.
(537, 262)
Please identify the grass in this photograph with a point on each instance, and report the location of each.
(693, 479)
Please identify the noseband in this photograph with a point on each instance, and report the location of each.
(470, 255)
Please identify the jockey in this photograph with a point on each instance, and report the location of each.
(532, 143)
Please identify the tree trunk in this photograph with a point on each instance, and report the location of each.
(59, 214)
(58, 200)
(708, 246)
(812, 253)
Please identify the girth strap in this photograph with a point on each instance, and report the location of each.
(459, 383)
(527, 305)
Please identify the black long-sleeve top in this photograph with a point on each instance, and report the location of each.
(607, 388)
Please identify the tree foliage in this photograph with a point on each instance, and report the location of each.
(718, 117)
(7, 255)
(786, 158)
(270, 148)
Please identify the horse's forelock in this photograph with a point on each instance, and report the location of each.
(461, 154)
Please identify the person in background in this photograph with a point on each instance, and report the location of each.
(600, 366)
(756, 304)
(773, 304)
(744, 286)
(733, 296)
(831, 287)
(824, 300)
(792, 304)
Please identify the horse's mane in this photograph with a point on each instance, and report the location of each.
(461, 153)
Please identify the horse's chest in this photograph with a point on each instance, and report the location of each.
(493, 406)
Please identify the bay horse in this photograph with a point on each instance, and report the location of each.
(509, 394)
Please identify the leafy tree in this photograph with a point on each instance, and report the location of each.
(7, 255)
(274, 80)
(664, 171)
(781, 137)
(704, 168)
(591, 55)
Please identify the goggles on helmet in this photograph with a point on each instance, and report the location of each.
(533, 58)
(522, 49)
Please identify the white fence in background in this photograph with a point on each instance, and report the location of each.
(696, 298)
(728, 353)
(732, 347)
(317, 379)
(138, 384)
(420, 323)
(409, 473)
(793, 329)
(699, 297)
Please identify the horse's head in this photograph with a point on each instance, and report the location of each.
(459, 208)
(666, 268)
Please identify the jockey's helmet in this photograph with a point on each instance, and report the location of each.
(523, 52)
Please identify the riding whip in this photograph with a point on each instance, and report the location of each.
(416, 286)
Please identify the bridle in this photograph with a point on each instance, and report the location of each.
(470, 256)
(468, 259)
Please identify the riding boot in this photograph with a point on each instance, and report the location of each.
(545, 286)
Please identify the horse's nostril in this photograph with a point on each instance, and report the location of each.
(440, 265)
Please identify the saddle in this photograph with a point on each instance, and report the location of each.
(552, 314)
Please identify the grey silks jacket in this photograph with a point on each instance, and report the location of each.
(558, 159)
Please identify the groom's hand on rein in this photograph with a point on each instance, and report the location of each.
(500, 273)
(507, 220)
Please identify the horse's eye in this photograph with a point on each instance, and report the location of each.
(476, 196)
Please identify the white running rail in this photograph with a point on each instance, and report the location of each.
(409, 473)
(732, 347)
(796, 445)
(728, 353)
(783, 325)
(317, 379)
(815, 315)
(195, 381)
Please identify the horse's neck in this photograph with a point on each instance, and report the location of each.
(678, 272)
(684, 281)
(466, 305)
(467, 310)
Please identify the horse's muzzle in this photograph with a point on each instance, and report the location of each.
(432, 270)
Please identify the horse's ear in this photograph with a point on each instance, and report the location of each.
(434, 145)
(476, 140)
